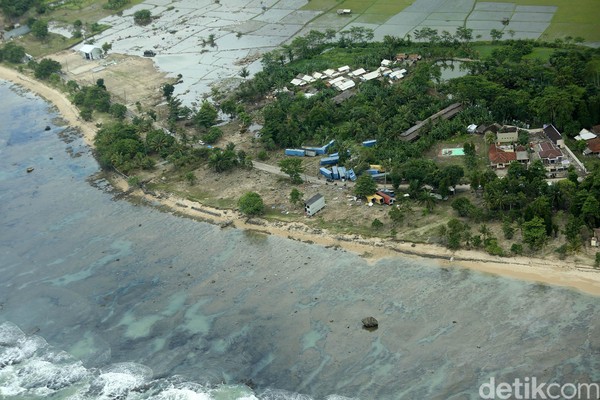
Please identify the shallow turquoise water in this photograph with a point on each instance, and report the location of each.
(120, 297)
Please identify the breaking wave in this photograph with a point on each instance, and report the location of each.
(31, 368)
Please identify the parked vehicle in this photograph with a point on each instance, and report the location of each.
(375, 199)
(387, 199)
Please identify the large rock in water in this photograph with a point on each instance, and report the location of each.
(370, 323)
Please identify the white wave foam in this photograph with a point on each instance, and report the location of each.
(182, 394)
(30, 368)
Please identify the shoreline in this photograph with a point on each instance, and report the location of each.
(553, 272)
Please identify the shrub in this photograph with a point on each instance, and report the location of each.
(508, 229)
(213, 135)
(562, 251)
(493, 248)
(142, 17)
(118, 111)
(12, 52)
(296, 196)
(190, 177)
(251, 204)
(516, 248)
(45, 68)
(115, 4)
(262, 155)
(376, 224)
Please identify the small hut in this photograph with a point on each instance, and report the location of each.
(90, 52)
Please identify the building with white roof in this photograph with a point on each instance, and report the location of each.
(90, 52)
(357, 72)
(369, 76)
(397, 74)
(298, 82)
(344, 84)
(584, 134)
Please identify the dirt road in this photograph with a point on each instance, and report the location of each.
(273, 169)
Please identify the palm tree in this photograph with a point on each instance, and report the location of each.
(211, 40)
(427, 200)
(485, 231)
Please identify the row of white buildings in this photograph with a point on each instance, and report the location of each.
(343, 78)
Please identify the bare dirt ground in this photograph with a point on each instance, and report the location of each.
(129, 78)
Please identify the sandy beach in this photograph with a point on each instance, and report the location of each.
(552, 272)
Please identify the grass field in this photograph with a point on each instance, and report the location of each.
(572, 18)
(52, 44)
(575, 18)
(541, 53)
(87, 11)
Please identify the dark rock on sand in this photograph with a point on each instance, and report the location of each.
(370, 323)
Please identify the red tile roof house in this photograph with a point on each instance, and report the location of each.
(554, 135)
(550, 155)
(593, 147)
(500, 158)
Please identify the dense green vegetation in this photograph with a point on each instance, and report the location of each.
(505, 87)
(293, 167)
(142, 17)
(251, 204)
(16, 8)
(12, 53)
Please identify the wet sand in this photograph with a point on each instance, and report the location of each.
(552, 272)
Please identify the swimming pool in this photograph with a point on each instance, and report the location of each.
(453, 152)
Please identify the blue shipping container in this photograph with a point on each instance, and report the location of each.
(334, 173)
(317, 150)
(325, 172)
(351, 175)
(342, 172)
(372, 171)
(369, 143)
(329, 160)
(294, 152)
(379, 175)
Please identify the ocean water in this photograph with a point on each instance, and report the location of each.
(101, 298)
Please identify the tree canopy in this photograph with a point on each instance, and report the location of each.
(251, 204)
(365, 186)
(142, 17)
(46, 67)
(292, 167)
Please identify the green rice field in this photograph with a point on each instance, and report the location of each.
(574, 18)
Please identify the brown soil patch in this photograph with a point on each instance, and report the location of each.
(128, 78)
